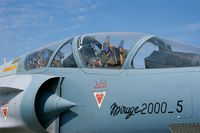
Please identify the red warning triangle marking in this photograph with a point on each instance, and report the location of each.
(4, 111)
(99, 96)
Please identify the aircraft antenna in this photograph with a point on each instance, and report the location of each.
(4, 60)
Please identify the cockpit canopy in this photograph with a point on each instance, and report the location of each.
(111, 50)
(162, 53)
(106, 50)
(40, 58)
(100, 50)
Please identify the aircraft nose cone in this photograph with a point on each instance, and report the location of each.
(53, 106)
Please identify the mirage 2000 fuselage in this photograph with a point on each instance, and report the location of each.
(103, 83)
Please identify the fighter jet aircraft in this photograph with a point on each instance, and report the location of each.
(103, 83)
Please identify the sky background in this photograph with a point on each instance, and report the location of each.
(26, 25)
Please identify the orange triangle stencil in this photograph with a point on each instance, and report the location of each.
(4, 111)
(99, 96)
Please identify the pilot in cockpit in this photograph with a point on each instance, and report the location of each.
(43, 56)
(97, 54)
(112, 56)
(57, 60)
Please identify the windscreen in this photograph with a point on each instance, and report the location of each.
(40, 58)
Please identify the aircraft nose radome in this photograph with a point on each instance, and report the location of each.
(53, 107)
